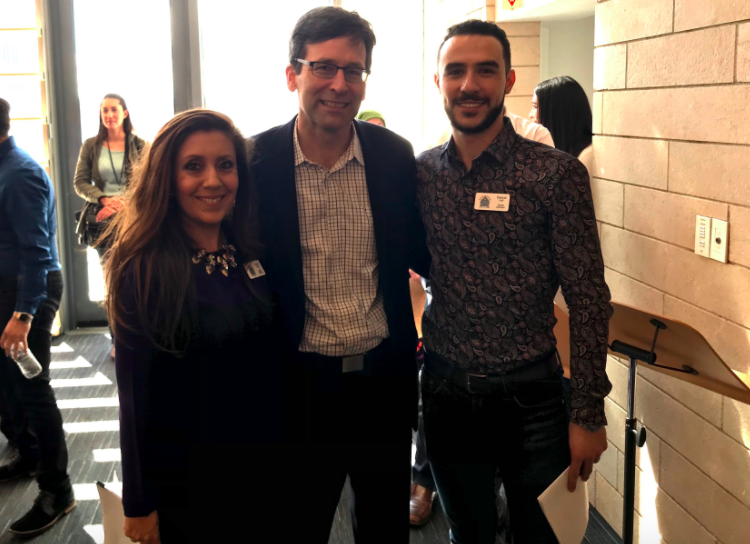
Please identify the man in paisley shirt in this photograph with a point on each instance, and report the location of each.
(508, 221)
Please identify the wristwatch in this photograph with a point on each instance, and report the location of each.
(23, 317)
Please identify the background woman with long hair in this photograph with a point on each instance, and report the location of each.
(198, 369)
(105, 163)
(106, 160)
(560, 105)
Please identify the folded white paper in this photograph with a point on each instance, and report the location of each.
(113, 515)
(567, 513)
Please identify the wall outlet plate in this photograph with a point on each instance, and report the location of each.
(702, 235)
(719, 240)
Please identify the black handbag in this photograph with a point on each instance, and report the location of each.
(88, 228)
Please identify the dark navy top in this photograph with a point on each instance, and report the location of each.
(27, 225)
(175, 412)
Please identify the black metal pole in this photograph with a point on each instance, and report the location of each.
(630, 445)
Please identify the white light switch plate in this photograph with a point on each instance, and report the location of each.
(719, 240)
(702, 235)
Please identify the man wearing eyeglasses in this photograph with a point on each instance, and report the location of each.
(339, 219)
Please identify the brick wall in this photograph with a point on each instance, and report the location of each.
(672, 140)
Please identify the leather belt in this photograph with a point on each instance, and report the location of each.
(356, 363)
(353, 363)
(543, 368)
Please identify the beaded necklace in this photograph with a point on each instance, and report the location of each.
(223, 261)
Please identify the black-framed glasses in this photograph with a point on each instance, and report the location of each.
(329, 71)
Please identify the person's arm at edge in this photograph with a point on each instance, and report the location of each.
(588, 299)
(135, 354)
(28, 203)
(82, 179)
(419, 255)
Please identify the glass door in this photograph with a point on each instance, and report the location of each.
(245, 50)
(123, 48)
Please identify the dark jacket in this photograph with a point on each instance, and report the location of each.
(87, 182)
(399, 234)
(28, 225)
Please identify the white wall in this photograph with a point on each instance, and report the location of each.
(568, 50)
(395, 87)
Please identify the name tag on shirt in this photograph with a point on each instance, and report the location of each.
(492, 202)
(254, 269)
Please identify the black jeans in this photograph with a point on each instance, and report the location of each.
(354, 424)
(31, 403)
(519, 429)
(421, 472)
(6, 423)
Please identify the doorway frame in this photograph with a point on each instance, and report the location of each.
(65, 138)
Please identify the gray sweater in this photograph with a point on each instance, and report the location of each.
(88, 182)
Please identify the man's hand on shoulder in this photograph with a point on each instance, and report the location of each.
(586, 449)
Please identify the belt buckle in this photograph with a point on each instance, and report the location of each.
(353, 363)
(468, 382)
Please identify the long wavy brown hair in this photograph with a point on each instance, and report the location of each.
(151, 250)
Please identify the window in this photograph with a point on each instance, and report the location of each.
(395, 87)
(125, 48)
(245, 48)
(120, 49)
(20, 80)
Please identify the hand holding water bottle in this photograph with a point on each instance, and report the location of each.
(14, 342)
(26, 361)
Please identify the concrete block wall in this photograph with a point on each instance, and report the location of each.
(672, 140)
(525, 48)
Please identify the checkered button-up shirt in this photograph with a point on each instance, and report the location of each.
(344, 310)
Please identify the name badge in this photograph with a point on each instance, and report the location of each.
(492, 202)
(254, 269)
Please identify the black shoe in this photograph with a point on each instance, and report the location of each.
(48, 509)
(17, 467)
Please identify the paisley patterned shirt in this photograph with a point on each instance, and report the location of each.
(495, 274)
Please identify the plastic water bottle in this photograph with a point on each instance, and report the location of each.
(26, 361)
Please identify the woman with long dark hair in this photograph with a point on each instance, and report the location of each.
(106, 160)
(198, 364)
(560, 105)
(105, 164)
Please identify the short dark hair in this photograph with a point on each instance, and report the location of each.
(4, 118)
(327, 23)
(564, 110)
(479, 28)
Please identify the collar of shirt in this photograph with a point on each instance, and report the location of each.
(498, 148)
(6, 146)
(354, 151)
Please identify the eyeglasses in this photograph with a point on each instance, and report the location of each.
(329, 71)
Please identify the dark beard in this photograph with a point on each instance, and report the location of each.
(488, 121)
